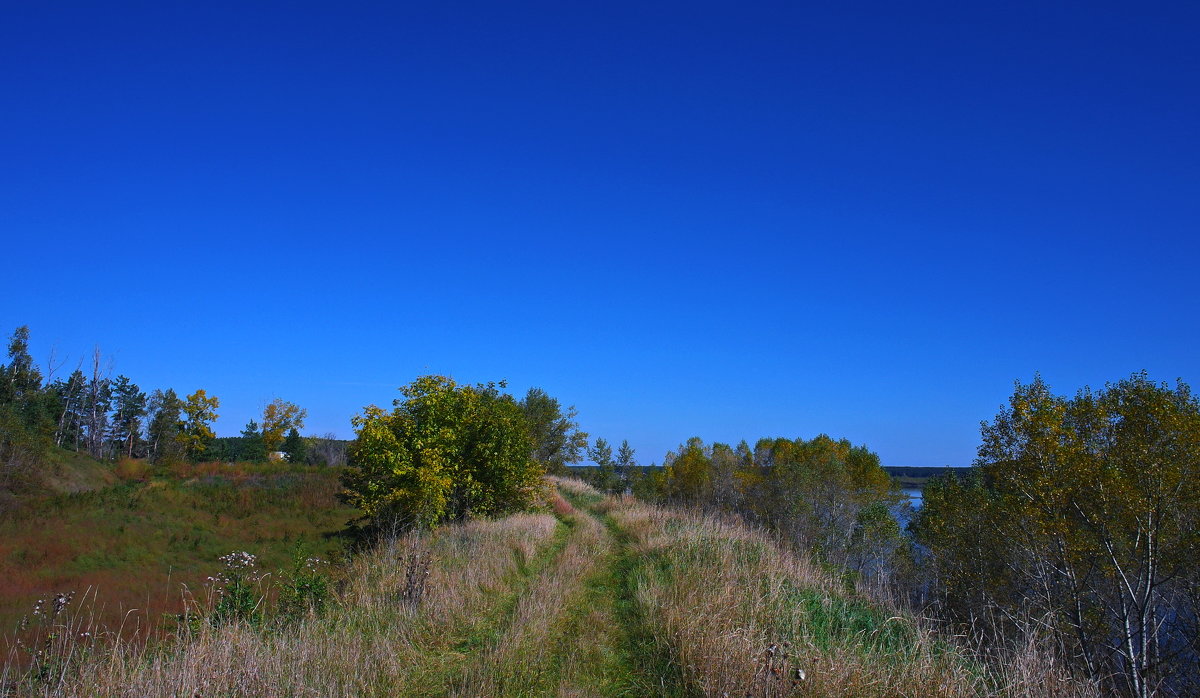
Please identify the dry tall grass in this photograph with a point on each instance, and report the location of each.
(529, 658)
(650, 602)
(394, 631)
(743, 616)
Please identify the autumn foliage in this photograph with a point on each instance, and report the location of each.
(1082, 522)
(445, 451)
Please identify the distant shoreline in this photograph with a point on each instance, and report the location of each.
(915, 476)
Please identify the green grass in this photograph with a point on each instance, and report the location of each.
(631, 662)
(609, 597)
(489, 627)
(653, 666)
(136, 542)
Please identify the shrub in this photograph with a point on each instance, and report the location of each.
(445, 452)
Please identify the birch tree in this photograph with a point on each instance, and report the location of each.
(1082, 521)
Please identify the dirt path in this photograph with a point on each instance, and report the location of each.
(574, 628)
(602, 648)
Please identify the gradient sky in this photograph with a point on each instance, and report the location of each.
(730, 220)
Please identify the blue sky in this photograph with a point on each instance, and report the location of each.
(728, 220)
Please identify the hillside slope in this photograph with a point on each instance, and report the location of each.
(128, 539)
(598, 597)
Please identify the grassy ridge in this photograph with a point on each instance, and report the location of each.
(597, 596)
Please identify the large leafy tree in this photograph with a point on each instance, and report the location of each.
(557, 439)
(445, 451)
(280, 417)
(165, 426)
(199, 412)
(1082, 517)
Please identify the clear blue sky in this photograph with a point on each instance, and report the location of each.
(728, 220)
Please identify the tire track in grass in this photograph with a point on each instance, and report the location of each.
(444, 666)
(575, 628)
(526, 658)
(627, 660)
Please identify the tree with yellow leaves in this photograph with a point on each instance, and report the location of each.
(1082, 518)
(199, 410)
(445, 451)
(280, 417)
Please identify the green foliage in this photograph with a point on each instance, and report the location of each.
(607, 479)
(165, 427)
(557, 440)
(625, 464)
(199, 411)
(305, 588)
(26, 421)
(21, 379)
(239, 597)
(1082, 511)
(280, 417)
(252, 448)
(295, 447)
(128, 409)
(829, 496)
(444, 452)
(69, 398)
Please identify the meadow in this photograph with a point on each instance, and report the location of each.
(593, 595)
(132, 543)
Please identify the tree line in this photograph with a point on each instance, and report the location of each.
(91, 412)
(1077, 529)
(1079, 524)
(827, 496)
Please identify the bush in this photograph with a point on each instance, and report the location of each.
(132, 469)
(444, 452)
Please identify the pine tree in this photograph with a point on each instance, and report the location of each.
(295, 447)
(26, 421)
(254, 449)
(128, 409)
(69, 394)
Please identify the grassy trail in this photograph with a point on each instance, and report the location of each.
(609, 597)
(459, 651)
(576, 632)
(625, 659)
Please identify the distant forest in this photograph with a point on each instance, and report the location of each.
(89, 411)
